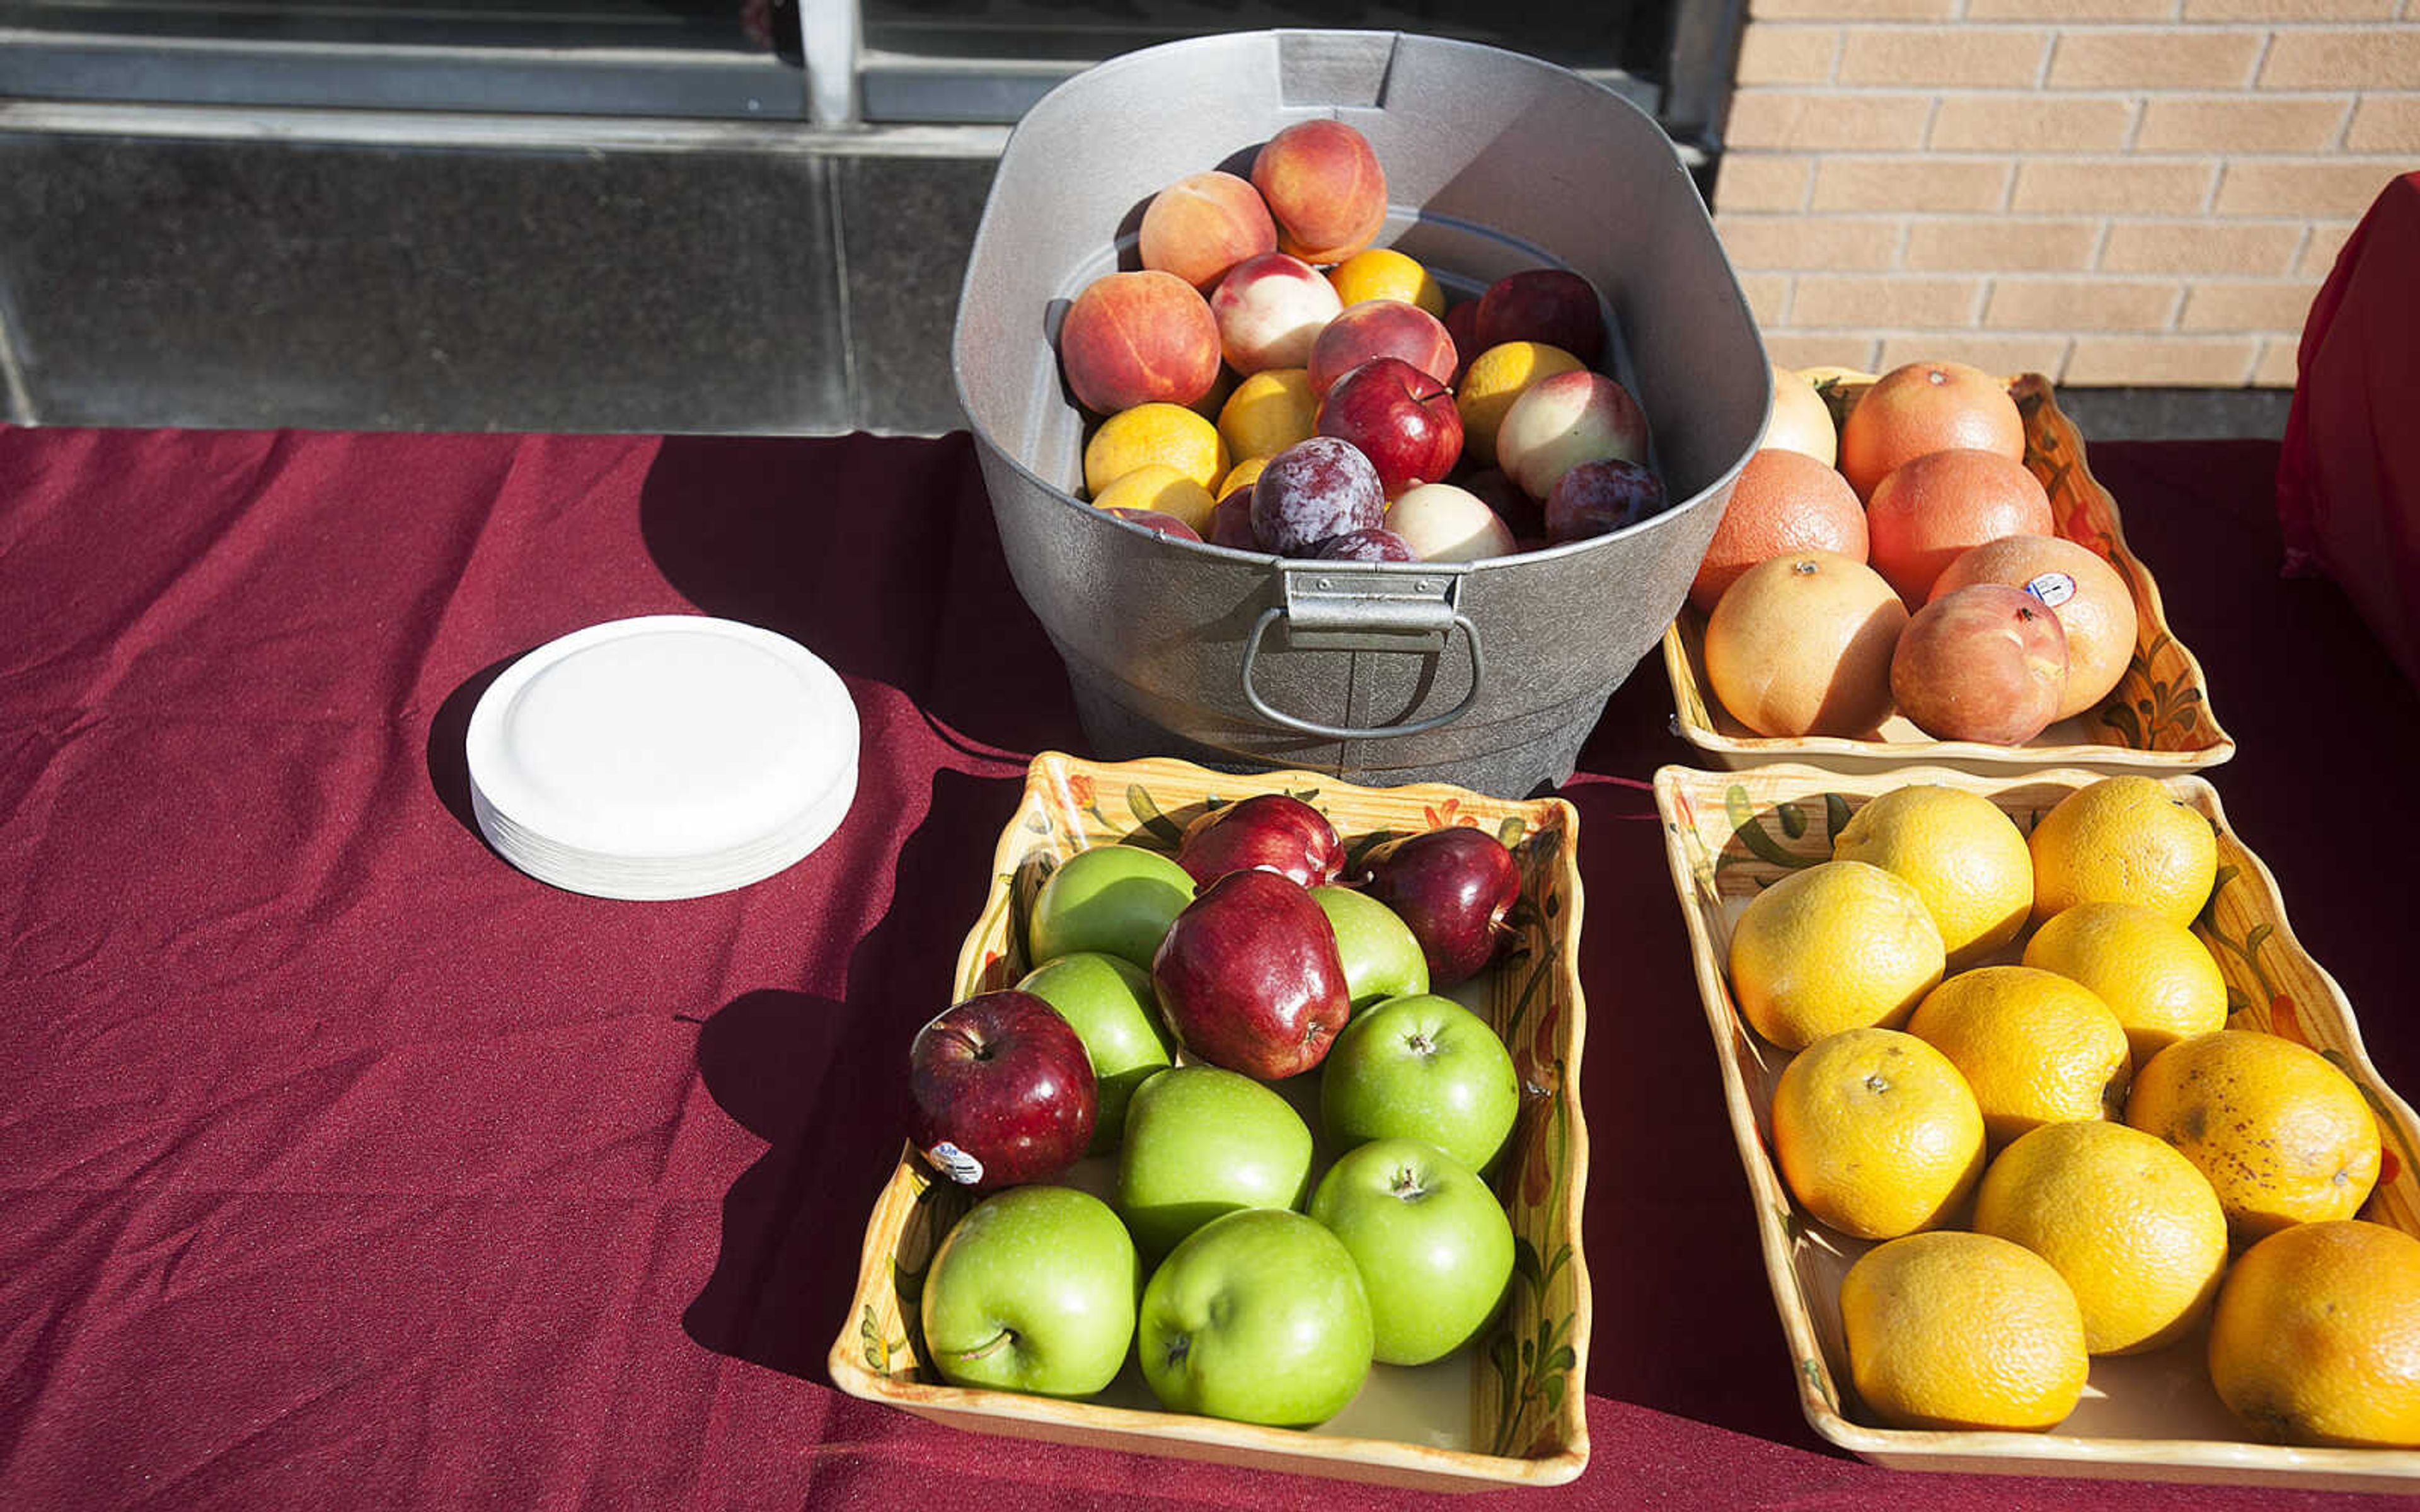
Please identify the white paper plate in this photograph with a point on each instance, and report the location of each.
(668, 756)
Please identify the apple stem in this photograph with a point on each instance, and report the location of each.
(991, 1346)
(1406, 1185)
(1420, 1044)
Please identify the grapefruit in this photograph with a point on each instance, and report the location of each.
(1801, 646)
(1784, 502)
(1927, 407)
(1934, 508)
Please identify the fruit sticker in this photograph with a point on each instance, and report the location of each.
(2052, 588)
(955, 1164)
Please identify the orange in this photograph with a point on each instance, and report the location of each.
(1927, 407)
(1954, 1329)
(1801, 646)
(2124, 839)
(1876, 1134)
(1269, 411)
(2154, 974)
(2093, 604)
(1166, 435)
(1384, 273)
(1839, 945)
(2316, 1338)
(1164, 490)
(1965, 858)
(2283, 1136)
(1929, 511)
(1783, 502)
(2131, 1224)
(2036, 1047)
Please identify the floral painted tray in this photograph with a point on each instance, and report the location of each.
(1511, 1408)
(2151, 1416)
(2157, 720)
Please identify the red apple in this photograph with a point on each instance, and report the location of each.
(1002, 1091)
(1250, 976)
(1986, 662)
(1598, 498)
(1453, 887)
(1271, 831)
(1549, 304)
(1462, 327)
(1399, 416)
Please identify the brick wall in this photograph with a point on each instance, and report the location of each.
(2107, 191)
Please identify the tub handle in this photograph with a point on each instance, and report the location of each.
(1404, 613)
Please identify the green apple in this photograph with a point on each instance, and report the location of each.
(1116, 899)
(1421, 1068)
(1110, 1002)
(1201, 1142)
(1259, 1317)
(1382, 956)
(1434, 1247)
(1034, 1290)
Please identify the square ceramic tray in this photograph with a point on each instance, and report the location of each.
(1509, 1410)
(2157, 720)
(2151, 1416)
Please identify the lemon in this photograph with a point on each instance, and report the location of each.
(1241, 476)
(1494, 379)
(2036, 1047)
(2124, 839)
(1161, 488)
(1268, 413)
(1384, 273)
(2283, 1135)
(1839, 946)
(1965, 858)
(2316, 1338)
(1955, 1329)
(1876, 1133)
(1167, 435)
(2154, 974)
(2131, 1224)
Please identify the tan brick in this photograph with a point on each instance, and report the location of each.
(1767, 294)
(1820, 348)
(2001, 245)
(1771, 54)
(2154, 58)
(1919, 183)
(2240, 123)
(2351, 57)
(2385, 123)
(2280, 365)
(2038, 10)
(2082, 304)
(1983, 57)
(1763, 181)
(1806, 120)
(2303, 187)
(2289, 9)
(2256, 249)
(1868, 300)
(2031, 123)
(1852, 9)
(1817, 244)
(2318, 257)
(2118, 184)
(2045, 355)
(2247, 305)
(2212, 361)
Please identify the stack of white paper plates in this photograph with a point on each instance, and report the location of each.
(669, 756)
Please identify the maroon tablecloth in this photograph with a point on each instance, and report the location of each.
(344, 1166)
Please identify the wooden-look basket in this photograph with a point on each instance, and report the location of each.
(2156, 721)
(2151, 1416)
(1509, 1408)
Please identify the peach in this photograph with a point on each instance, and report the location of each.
(1984, 662)
(1381, 327)
(1549, 304)
(1563, 420)
(2094, 606)
(1443, 523)
(1269, 309)
(1137, 338)
(1324, 187)
(1199, 227)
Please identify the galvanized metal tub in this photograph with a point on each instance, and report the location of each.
(1487, 675)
